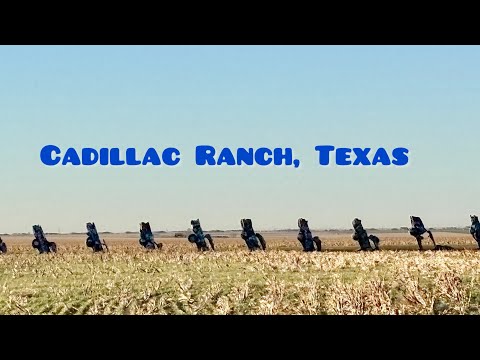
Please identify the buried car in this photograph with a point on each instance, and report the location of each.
(305, 237)
(3, 246)
(366, 242)
(93, 239)
(254, 241)
(41, 243)
(198, 237)
(146, 237)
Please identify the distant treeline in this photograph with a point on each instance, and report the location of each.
(177, 233)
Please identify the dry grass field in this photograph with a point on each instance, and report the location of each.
(283, 280)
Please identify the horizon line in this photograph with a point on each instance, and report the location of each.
(239, 230)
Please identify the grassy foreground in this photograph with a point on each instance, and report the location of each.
(179, 280)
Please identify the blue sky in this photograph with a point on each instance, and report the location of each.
(425, 98)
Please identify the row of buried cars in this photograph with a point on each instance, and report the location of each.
(253, 240)
(203, 242)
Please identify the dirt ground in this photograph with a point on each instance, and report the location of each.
(232, 241)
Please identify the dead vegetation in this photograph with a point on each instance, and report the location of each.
(282, 280)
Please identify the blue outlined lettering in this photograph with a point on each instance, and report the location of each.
(46, 155)
(361, 156)
(400, 157)
(207, 155)
(51, 155)
(263, 156)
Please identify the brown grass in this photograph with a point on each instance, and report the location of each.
(282, 280)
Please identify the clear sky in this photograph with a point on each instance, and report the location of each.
(425, 98)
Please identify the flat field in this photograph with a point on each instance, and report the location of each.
(282, 280)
